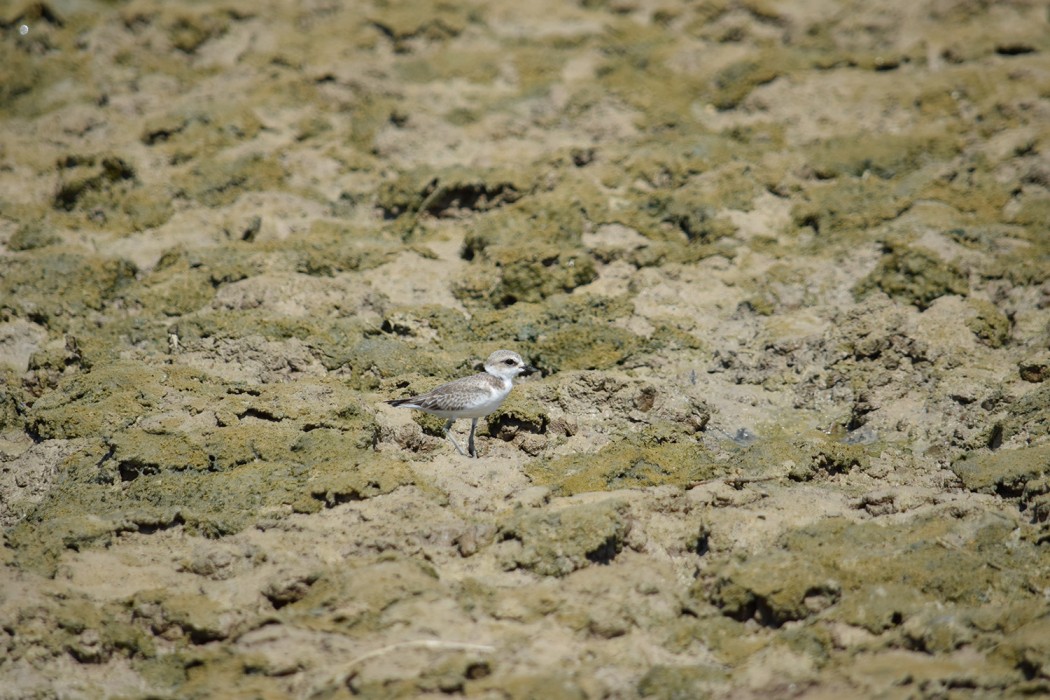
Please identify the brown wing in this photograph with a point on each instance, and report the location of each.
(446, 397)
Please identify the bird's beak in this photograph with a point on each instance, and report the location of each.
(529, 369)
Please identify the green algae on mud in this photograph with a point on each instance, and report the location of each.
(915, 276)
(171, 446)
(90, 508)
(12, 400)
(33, 62)
(87, 630)
(56, 286)
(558, 542)
(519, 415)
(185, 134)
(504, 272)
(107, 194)
(1029, 416)
(110, 398)
(936, 558)
(630, 463)
(214, 183)
(848, 205)
(935, 583)
(538, 273)
(566, 332)
(1022, 474)
(331, 246)
(989, 324)
(446, 191)
(384, 587)
(176, 287)
(887, 157)
(236, 100)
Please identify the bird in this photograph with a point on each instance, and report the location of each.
(471, 397)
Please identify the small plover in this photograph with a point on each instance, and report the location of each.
(471, 397)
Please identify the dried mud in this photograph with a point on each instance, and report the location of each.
(784, 266)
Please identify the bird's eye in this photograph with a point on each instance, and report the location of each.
(508, 361)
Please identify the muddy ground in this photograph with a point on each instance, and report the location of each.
(784, 266)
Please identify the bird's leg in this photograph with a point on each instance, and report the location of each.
(470, 446)
(448, 434)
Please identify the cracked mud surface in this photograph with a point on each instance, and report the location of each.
(783, 264)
